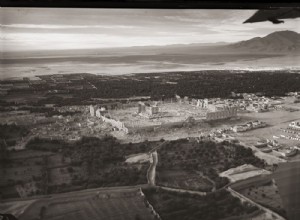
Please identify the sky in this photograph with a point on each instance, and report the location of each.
(27, 29)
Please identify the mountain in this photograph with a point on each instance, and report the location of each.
(281, 42)
(276, 42)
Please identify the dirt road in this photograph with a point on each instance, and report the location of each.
(152, 169)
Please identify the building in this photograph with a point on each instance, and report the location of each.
(92, 110)
(295, 125)
(202, 103)
(226, 112)
(148, 110)
(141, 107)
(249, 126)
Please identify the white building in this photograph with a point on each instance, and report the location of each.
(92, 110)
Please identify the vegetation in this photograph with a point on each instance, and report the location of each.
(11, 133)
(177, 206)
(97, 162)
(48, 111)
(206, 157)
(3, 152)
(263, 191)
(196, 84)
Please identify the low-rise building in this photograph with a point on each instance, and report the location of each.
(295, 125)
(226, 112)
(92, 110)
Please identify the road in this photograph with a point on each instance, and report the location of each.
(183, 191)
(152, 169)
(80, 193)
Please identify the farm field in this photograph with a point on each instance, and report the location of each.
(178, 206)
(263, 190)
(205, 158)
(54, 166)
(21, 176)
(243, 172)
(184, 179)
(288, 181)
(103, 204)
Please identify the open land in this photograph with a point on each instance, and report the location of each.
(243, 172)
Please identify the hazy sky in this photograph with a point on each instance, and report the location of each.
(51, 29)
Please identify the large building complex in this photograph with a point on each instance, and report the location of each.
(144, 116)
(226, 112)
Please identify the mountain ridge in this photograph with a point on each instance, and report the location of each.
(276, 42)
(279, 42)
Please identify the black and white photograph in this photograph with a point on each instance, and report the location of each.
(150, 113)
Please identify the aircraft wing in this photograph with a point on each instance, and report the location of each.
(274, 15)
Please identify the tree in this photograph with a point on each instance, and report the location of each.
(3, 152)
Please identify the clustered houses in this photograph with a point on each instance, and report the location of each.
(295, 94)
(293, 129)
(249, 126)
(295, 125)
(252, 102)
(244, 101)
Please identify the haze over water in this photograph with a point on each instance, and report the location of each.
(32, 31)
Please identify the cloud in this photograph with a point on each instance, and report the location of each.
(46, 28)
(52, 26)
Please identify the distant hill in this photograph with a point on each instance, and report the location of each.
(276, 42)
(281, 42)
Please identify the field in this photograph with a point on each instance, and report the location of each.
(21, 176)
(243, 172)
(103, 204)
(288, 181)
(15, 208)
(178, 206)
(184, 180)
(54, 166)
(204, 159)
(138, 158)
(263, 190)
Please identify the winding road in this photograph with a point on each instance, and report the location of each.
(152, 169)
